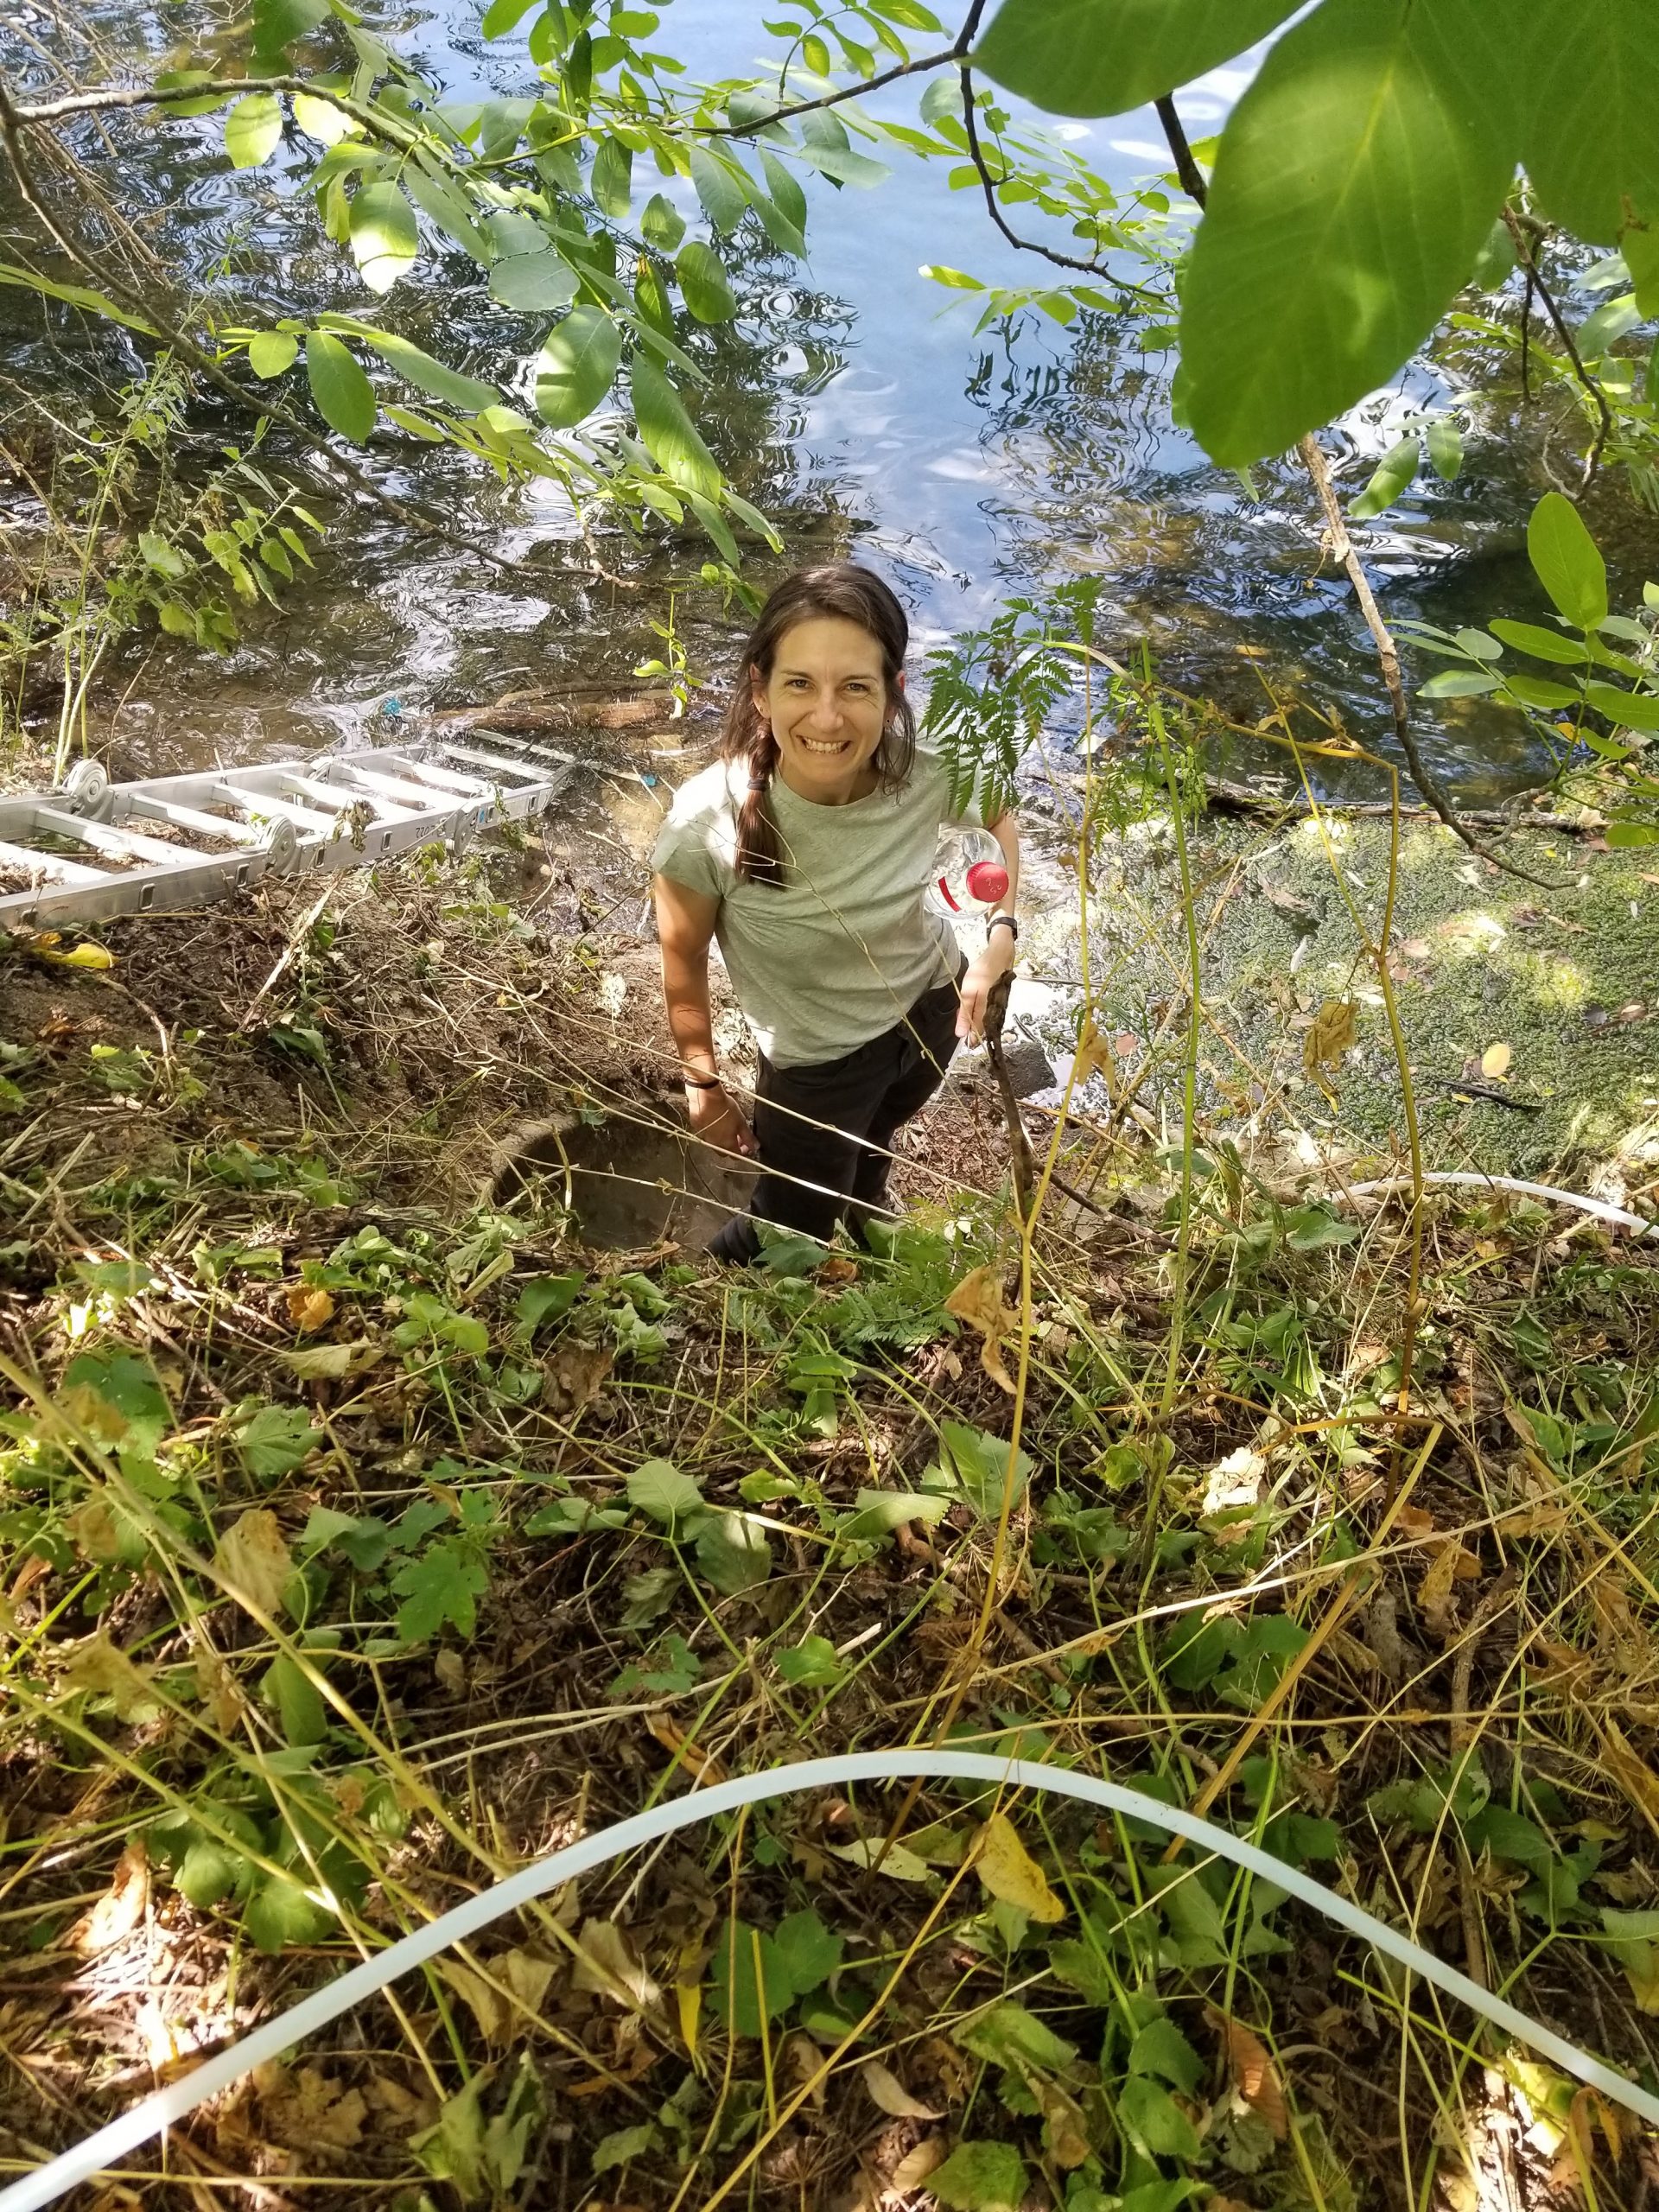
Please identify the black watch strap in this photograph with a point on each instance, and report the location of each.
(1005, 921)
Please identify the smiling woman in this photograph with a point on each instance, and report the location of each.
(804, 852)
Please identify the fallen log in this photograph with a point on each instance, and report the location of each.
(1249, 799)
(534, 713)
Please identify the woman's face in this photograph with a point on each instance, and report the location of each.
(826, 699)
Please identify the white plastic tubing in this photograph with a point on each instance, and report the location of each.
(1619, 1216)
(101, 2151)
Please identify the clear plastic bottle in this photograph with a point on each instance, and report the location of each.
(969, 874)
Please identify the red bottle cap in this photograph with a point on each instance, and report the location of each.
(988, 881)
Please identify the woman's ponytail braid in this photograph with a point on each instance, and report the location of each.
(758, 858)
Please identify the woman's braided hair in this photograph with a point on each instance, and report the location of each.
(853, 594)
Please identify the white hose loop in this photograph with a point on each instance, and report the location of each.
(1619, 1216)
(112, 2143)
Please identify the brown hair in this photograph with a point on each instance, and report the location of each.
(852, 594)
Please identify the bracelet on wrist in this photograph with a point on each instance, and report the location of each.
(1004, 921)
(701, 1081)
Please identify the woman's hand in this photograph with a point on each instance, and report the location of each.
(716, 1121)
(984, 975)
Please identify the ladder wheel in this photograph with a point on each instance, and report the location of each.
(86, 789)
(282, 849)
(463, 831)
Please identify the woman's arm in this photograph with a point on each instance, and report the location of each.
(685, 929)
(994, 961)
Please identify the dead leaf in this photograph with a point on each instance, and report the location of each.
(44, 947)
(92, 1528)
(1254, 2073)
(1452, 1564)
(486, 2005)
(573, 1375)
(527, 1977)
(608, 1967)
(977, 1300)
(216, 1687)
(1068, 2137)
(1235, 1480)
(306, 2109)
(1332, 1034)
(839, 1266)
(97, 1665)
(804, 2064)
(308, 1307)
(1008, 1872)
(331, 1362)
(874, 1853)
(701, 1765)
(1382, 1635)
(887, 2091)
(1631, 1771)
(253, 1557)
(1495, 1061)
(121, 1908)
(918, 2163)
(451, 1670)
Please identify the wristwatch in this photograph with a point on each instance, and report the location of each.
(1007, 922)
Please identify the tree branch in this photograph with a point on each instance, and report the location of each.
(1388, 652)
(1526, 252)
(203, 363)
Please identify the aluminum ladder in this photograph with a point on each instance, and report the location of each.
(95, 850)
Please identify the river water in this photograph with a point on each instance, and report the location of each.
(852, 401)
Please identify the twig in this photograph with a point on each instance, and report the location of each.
(1388, 652)
(834, 99)
(1526, 248)
(1019, 1159)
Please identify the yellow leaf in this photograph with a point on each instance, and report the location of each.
(309, 1308)
(121, 1908)
(977, 1300)
(1495, 1061)
(100, 1666)
(1331, 1034)
(78, 956)
(688, 1996)
(607, 1966)
(252, 1556)
(484, 2003)
(889, 2092)
(1068, 2137)
(1632, 1773)
(1450, 1564)
(1010, 1871)
(913, 2168)
(526, 1975)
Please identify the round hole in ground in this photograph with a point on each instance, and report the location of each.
(634, 1178)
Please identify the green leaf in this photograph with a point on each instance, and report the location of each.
(662, 224)
(1496, 259)
(503, 15)
(1625, 833)
(384, 237)
(657, 1488)
(165, 559)
(1460, 683)
(273, 352)
(979, 1463)
(576, 366)
(613, 174)
(1011, 2035)
(786, 194)
(1535, 691)
(1612, 319)
(624, 2145)
(1311, 281)
(535, 283)
(279, 1914)
(721, 186)
(1154, 2121)
(816, 54)
(749, 1982)
(806, 1952)
(321, 119)
(1567, 562)
(1541, 644)
(981, 2177)
(277, 23)
(253, 130)
(1391, 476)
(441, 1586)
(1630, 709)
(1446, 448)
(881, 1511)
(678, 1670)
(420, 369)
(1161, 2048)
(544, 1297)
(702, 280)
(668, 431)
(1641, 245)
(1310, 1228)
(274, 1441)
(298, 1701)
(1590, 146)
(811, 1664)
(344, 396)
(1104, 57)
(732, 1553)
(210, 1871)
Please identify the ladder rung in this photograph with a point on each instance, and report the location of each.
(119, 844)
(444, 780)
(423, 797)
(525, 768)
(343, 798)
(198, 824)
(49, 867)
(251, 803)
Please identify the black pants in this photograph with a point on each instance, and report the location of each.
(809, 1121)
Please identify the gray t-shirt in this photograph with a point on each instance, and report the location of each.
(844, 947)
